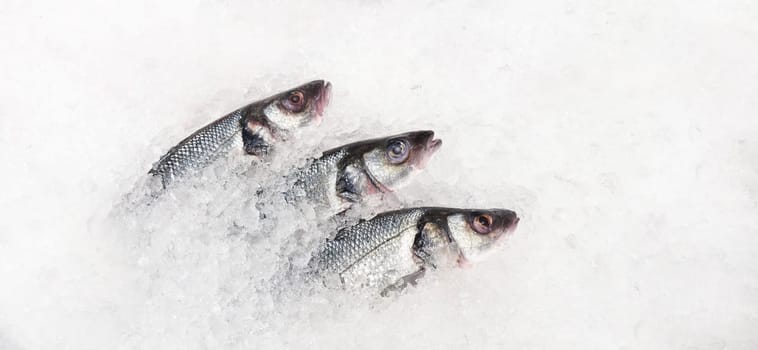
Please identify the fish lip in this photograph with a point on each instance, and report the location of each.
(430, 148)
(507, 232)
(434, 144)
(512, 227)
(323, 100)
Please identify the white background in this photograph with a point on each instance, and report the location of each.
(624, 132)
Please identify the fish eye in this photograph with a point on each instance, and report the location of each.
(296, 97)
(295, 101)
(482, 223)
(397, 151)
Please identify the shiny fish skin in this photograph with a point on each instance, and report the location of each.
(362, 254)
(250, 130)
(395, 248)
(347, 174)
(200, 148)
(316, 183)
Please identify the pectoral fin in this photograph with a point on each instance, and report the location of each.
(349, 182)
(254, 139)
(403, 282)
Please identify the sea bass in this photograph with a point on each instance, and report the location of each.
(347, 174)
(249, 130)
(395, 248)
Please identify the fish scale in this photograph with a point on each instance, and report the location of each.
(316, 181)
(346, 175)
(395, 249)
(248, 129)
(385, 264)
(200, 148)
(354, 244)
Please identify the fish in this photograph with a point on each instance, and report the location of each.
(395, 249)
(250, 130)
(346, 175)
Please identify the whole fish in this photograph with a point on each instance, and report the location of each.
(250, 130)
(347, 174)
(395, 248)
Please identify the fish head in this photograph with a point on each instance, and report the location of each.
(300, 106)
(476, 232)
(391, 161)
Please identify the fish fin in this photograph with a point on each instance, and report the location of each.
(254, 144)
(342, 221)
(343, 228)
(403, 282)
(342, 232)
(254, 139)
(347, 186)
(431, 238)
(424, 257)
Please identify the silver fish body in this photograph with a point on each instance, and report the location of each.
(395, 248)
(347, 174)
(200, 148)
(316, 183)
(251, 130)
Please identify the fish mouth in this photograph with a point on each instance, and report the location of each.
(511, 228)
(431, 147)
(323, 100)
(508, 228)
(514, 225)
(507, 232)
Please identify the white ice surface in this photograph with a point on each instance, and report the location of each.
(624, 132)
